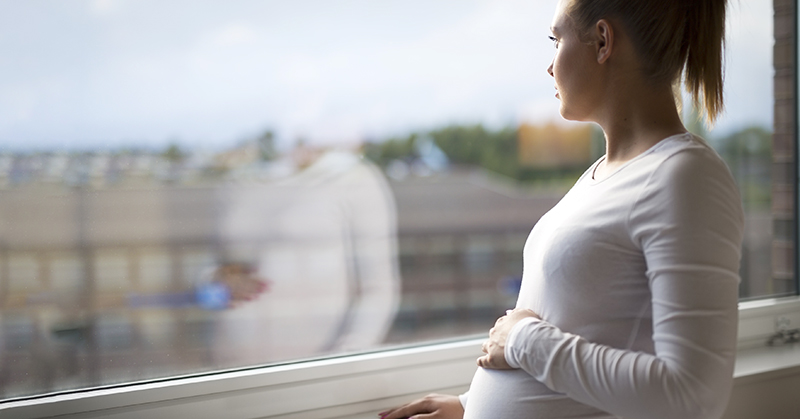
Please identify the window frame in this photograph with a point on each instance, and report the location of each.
(347, 385)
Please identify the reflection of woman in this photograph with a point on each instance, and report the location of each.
(324, 238)
(628, 305)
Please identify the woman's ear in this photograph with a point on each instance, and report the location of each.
(604, 36)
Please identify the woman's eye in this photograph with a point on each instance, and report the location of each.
(555, 41)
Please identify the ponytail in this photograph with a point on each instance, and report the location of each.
(673, 38)
(705, 35)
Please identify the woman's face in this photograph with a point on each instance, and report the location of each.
(574, 68)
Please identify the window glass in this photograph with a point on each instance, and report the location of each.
(193, 186)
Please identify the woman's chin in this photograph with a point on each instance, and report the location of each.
(571, 115)
(567, 115)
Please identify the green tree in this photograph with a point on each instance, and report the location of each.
(173, 153)
(749, 156)
(266, 146)
(469, 145)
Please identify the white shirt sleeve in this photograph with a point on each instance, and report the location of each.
(463, 399)
(688, 223)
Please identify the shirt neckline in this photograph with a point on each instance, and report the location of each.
(592, 181)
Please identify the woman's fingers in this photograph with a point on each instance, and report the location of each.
(493, 362)
(404, 411)
(495, 355)
(432, 406)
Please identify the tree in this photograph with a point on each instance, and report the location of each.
(173, 153)
(266, 146)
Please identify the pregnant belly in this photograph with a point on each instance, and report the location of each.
(514, 394)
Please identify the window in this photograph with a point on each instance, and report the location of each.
(235, 184)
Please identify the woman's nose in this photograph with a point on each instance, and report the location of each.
(550, 70)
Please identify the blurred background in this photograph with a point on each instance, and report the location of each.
(194, 186)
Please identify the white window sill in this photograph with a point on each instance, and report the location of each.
(353, 385)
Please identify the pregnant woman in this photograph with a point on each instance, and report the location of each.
(628, 305)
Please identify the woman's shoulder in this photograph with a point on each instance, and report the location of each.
(689, 175)
(687, 156)
(685, 144)
(689, 183)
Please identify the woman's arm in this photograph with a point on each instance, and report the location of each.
(688, 222)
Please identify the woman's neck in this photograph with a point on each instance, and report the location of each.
(636, 118)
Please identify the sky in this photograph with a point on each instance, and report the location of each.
(209, 74)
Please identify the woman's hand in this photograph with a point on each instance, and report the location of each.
(495, 346)
(242, 282)
(432, 406)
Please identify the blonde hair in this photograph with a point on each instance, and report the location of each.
(673, 38)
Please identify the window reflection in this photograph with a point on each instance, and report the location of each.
(267, 261)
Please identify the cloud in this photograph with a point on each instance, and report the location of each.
(234, 34)
(17, 104)
(370, 68)
(102, 8)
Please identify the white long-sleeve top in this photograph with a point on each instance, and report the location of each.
(325, 239)
(635, 277)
